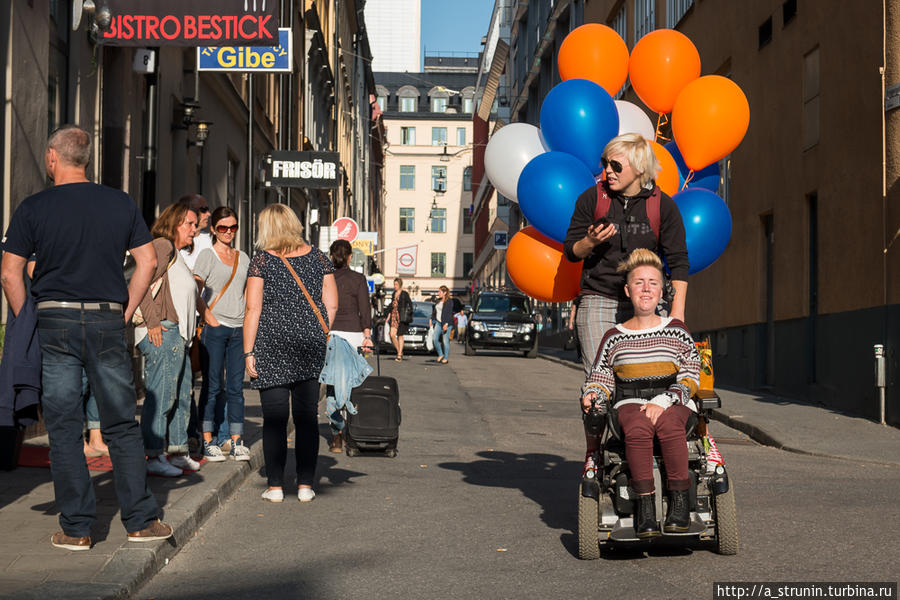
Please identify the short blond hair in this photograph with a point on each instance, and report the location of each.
(640, 257)
(278, 229)
(639, 153)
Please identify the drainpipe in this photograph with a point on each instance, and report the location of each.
(148, 183)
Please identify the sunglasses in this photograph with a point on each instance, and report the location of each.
(226, 228)
(616, 165)
(203, 209)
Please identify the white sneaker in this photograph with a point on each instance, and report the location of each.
(184, 462)
(212, 453)
(158, 465)
(276, 495)
(305, 495)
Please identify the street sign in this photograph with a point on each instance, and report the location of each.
(267, 59)
(151, 23)
(501, 239)
(367, 247)
(371, 285)
(347, 229)
(303, 169)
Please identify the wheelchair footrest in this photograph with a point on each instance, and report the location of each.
(623, 530)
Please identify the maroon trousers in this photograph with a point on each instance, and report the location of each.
(639, 433)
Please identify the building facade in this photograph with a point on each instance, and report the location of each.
(428, 175)
(395, 35)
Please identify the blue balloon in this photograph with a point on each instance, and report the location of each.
(579, 117)
(707, 226)
(706, 178)
(548, 187)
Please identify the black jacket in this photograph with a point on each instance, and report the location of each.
(446, 316)
(20, 370)
(630, 216)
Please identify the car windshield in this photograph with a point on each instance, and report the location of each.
(494, 304)
(422, 309)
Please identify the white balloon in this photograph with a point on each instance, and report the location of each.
(632, 119)
(507, 153)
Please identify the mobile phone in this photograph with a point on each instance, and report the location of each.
(601, 222)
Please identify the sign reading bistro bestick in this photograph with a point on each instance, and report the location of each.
(194, 23)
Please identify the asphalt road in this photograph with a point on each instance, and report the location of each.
(481, 503)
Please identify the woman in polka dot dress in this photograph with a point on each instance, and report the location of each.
(284, 344)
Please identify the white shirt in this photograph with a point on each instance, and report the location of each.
(202, 241)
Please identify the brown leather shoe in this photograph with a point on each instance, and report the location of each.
(67, 542)
(155, 531)
(337, 443)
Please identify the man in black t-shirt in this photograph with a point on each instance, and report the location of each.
(79, 232)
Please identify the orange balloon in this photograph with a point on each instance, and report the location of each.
(667, 178)
(597, 53)
(710, 118)
(539, 268)
(661, 64)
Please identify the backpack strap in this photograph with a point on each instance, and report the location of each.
(602, 206)
(653, 203)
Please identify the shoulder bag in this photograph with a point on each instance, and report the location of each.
(195, 343)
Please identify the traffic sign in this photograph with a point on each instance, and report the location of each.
(347, 229)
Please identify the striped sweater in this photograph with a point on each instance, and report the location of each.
(647, 356)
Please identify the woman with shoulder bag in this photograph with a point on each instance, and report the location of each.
(284, 342)
(400, 317)
(164, 328)
(223, 270)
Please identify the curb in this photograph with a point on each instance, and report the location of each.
(756, 433)
(133, 564)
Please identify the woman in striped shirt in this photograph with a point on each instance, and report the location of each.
(648, 369)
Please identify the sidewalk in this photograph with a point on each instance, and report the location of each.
(114, 568)
(792, 425)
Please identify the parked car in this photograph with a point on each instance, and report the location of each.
(502, 320)
(414, 340)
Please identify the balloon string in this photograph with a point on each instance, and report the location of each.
(661, 121)
(687, 180)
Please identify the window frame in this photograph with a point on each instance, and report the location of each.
(438, 142)
(442, 256)
(410, 176)
(407, 222)
(438, 215)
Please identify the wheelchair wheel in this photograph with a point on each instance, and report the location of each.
(726, 522)
(588, 527)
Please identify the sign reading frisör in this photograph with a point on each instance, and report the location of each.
(270, 59)
(192, 23)
(303, 169)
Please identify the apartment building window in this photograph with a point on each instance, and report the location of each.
(438, 220)
(408, 136)
(460, 136)
(407, 220)
(788, 12)
(438, 264)
(407, 104)
(381, 97)
(439, 179)
(675, 10)
(811, 99)
(765, 33)
(467, 179)
(467, 220)
(439, 104)
(382, 103)
(468, 262)
(407, 177)
(438, 136)
(409, 97)
(468, 105)
(644, 18)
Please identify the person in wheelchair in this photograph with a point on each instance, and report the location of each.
(647, 369)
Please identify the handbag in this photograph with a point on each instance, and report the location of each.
(195, 343)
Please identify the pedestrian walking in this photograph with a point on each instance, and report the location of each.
(80, 232)
(462, 322)
(442, 321)
(353, 322)
(624, 212)
(284, 344)
(401, 316)
(163, 332)
(223, 271)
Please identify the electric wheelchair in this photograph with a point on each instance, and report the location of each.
(606, 504)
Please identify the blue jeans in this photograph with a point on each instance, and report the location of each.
(223, 362)
(442, 341)
(167, 402)
(91, 412)
(73, 341)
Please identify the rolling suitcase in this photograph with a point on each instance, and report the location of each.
(376, 425)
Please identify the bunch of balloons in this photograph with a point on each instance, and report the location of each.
(546, 169)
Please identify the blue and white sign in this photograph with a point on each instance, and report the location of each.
(248, 58)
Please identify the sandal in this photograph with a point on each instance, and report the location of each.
(398, 359)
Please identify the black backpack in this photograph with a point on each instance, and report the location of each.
(404, 308)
